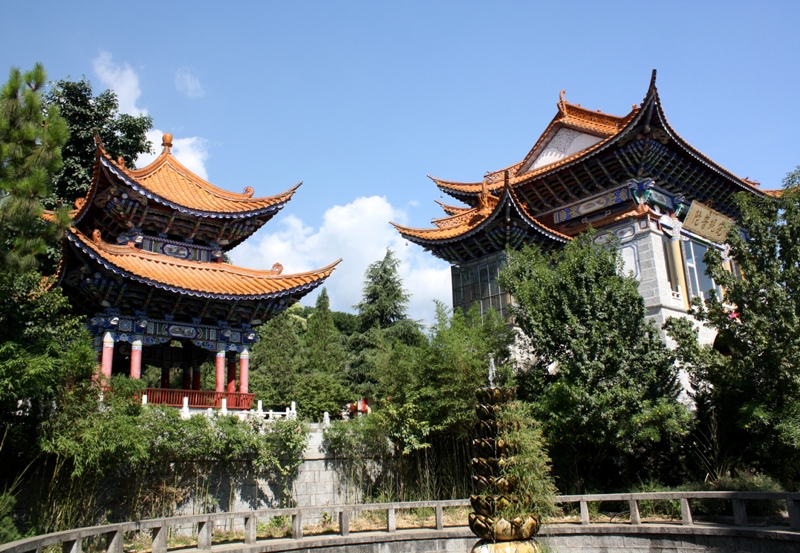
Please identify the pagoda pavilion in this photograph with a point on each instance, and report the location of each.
(144, 262)
(632, 178)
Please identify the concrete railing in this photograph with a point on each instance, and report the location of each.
(71, 541)
(737, 500)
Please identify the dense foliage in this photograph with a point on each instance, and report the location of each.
(601, 381)
(150, 455)
(748, 386)
(122, 135)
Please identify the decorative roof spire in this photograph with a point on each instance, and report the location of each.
(166, 142)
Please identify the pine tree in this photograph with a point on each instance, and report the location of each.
(30, 153)
(323, 343)
(384, 301)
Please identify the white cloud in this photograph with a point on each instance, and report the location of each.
(188, 84)
(192, 152)
(122, 79)
(359, 233)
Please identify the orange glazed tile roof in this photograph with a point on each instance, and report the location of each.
(447, 227)
(205, 279)
(456, 226)
(170, 180)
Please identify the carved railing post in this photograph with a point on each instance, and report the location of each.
(391, 520)
(72, 546)
(250, 527)
(793, 506)
(297, 525)
(686, 512)
(739, 512)
(114, 541)
(584, 512)
(205, 530)
(344, 522)
(634, 508)
(160, 538)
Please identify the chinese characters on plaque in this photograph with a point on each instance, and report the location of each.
(707, 223)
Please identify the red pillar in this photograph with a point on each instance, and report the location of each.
(136, 359)
(232, 375)
(196, 378)
(107, 358)
(244, 371)
(220, 385)
(165, 377)
(186, 382)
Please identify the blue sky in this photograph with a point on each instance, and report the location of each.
(361, 100)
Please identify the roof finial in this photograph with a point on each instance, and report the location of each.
(653, 79)
(166, 141)
(562, 103)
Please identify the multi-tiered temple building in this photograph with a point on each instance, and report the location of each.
(145, 262)
(633, 178)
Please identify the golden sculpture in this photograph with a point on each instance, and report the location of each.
(496, 517)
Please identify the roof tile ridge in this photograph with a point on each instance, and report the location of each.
(166, 159)
(500, 172)
(597, 116)
(452, 183)
(542, 137)
(453, 220)
(98, 244)
(473, 211)
(452, 209)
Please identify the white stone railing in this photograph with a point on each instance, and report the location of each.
(71, 541)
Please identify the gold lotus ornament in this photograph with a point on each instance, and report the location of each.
(496, 517)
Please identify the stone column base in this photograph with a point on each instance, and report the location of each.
(526, 546)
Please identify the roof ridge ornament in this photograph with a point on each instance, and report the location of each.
(166, 142)
(562, 102)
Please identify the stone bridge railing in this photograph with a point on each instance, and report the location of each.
(71, 541)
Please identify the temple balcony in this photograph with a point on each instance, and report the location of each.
(198, 399)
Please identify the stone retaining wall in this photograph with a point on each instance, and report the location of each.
(555, 539)
(317, 484)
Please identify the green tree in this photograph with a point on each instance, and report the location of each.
(42, 348)
(456, 363)
(752, 388)
(278, 358)
(324, 344)
(382, 321)
(30, 154)
(122, 135)
(603, 384)
(321, 386)
(384, 301)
